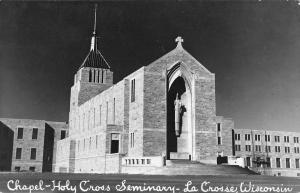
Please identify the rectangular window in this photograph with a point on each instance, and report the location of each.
(114, 111)
(277, 139)
(237, 137)
(132, 90)
(278, 162)
(20, 133)
(17, 168)
(94, 117)
(257, 148)
(248, 161)
(267, 138)
(296, 139)
(268, 162)
(257, 137)
(237, 147)
(32, 169)
(287, 162)
(131, 140)
(268, 149)
(219, 127)
(297, 163)
(114, 147)
(62, 134)
(286, 139)
(248, 147)
(287, 149)
(247, 137)
(33, 154)
(96, 141)
(19, 153)
(100, 108)
(34, 133)
(219, 140)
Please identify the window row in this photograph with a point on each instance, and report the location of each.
(87, 120)
(18, 168)
(97, 76)
(278, 163)
(258, 148)
(257, 137)
(21, 131)
(32, 153)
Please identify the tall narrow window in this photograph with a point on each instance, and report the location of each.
(114, 111)
(20, 133)
(219, 141)
(287, 162)
(278, 162)
(102, 77)
(90, 76)
(94, 117)
(131, 140)
(106, 112)
(297, 163)
(18, 153)
(268, 162)
(96, 141)
(34, 133)
(219, 127)
(33, 154)
(132, 90)
(100, 110)
(114, 147)
(62, 134)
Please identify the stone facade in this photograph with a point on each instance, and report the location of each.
(269, 152)
(29, 145)
(131, 123)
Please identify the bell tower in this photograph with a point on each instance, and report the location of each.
(93, 76)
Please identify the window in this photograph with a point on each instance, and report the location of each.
(20, 133)
(219, 141)
(287, 149)
(267, 137)
(237, 137)
(114, 147)
(286, 139)
(296, 139)
(62, 134)
(34, 133)
(278, 162)
(257, 148)
(268, 149)
(131, 140)
(247, 137)
(100, 113)
(257, 137)
(132, 90)
(287, 162)
(33, 154)
(17, 168)
(237, 147)
(277, 148)
(18, 153)
(297, 163)
(277, 138)
(114, 112)
(248, 147)
(219, 127)
(268, 162)
(32, 169)
(96, 141)
(248, 161)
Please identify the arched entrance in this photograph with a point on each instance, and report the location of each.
(179, 126)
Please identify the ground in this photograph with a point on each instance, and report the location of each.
(49, 182)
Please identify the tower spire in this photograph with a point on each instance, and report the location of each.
(94, 36)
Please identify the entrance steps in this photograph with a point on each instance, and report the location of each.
(186, 167)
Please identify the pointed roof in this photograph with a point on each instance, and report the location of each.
(95, 59)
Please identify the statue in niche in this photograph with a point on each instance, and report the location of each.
(179, 109)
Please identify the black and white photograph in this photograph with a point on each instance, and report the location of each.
(178, 96)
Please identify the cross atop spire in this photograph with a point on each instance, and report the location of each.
(179, 41)
(94, 37)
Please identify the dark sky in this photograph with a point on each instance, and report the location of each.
(252, 47)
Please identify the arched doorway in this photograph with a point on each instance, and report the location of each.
(179, 127)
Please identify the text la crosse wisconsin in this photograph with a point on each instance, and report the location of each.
(88, 186)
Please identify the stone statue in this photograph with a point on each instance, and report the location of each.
(177, 109)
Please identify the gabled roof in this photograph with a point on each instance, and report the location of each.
(95, 59)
